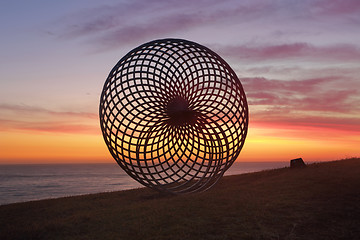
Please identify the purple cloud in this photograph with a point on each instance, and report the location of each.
(137, 19)
(111, 26)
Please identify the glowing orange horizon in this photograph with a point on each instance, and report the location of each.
(265, 142)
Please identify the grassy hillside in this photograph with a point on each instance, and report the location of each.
(321, 201)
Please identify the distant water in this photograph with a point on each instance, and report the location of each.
(19, 183)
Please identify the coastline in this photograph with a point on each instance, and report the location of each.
(22, 183)
(318, 202)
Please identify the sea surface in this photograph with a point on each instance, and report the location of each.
(19, 183)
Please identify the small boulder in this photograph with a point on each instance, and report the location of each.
(297, 163)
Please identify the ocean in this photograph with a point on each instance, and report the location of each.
(20, 183)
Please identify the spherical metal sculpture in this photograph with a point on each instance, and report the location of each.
(173, 115)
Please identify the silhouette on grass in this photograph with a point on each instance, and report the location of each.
(173, 115)
(297, 163)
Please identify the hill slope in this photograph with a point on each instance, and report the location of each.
(321, 201)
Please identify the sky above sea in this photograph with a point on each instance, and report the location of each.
(298, 61)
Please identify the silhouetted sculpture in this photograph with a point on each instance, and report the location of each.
(173, 115)
(297, 163)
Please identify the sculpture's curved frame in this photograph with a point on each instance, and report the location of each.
(173, 115)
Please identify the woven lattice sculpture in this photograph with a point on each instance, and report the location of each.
(174, 115)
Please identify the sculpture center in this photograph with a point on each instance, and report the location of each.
(179, 112)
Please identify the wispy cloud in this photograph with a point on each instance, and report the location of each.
(32, 118)
(154, 29)
(112, 26)
(303, 86)
(297, 51)
(303, 95)
(306, 103)
(295, 71)
(109, 27)
(48, 126)
(21, 109)
(337, 7)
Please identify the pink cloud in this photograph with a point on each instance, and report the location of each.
(337, 7)
(271, 69)
(261, 84)
(327, 71)
(341, 52)
(334, 123)
(331, 101)
(312, 102)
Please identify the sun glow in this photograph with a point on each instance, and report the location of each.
(20, 147)
(263, 143)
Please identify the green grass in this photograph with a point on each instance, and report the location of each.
(321, 201)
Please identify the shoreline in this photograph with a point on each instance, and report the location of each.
(320, 201)
(145, 188)
(21, 183)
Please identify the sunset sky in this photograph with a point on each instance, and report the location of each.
(298, 61)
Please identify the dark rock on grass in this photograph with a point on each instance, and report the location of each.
(297, 163)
